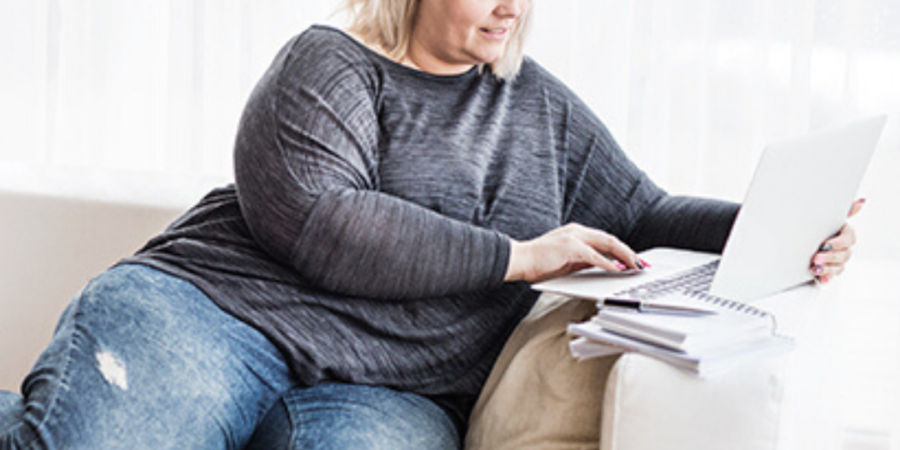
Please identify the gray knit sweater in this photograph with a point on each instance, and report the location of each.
(367, 233)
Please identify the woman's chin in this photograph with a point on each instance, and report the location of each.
(490, 59)
(488, 55)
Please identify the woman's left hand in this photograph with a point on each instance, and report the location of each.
(834, 253)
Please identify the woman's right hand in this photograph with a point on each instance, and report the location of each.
(567, 249)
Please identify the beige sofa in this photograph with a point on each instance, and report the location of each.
(50, 248)
(537, 398)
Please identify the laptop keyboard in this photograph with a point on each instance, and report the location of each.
(691, 283)
(695, 279)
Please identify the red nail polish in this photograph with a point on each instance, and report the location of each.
(646, 264)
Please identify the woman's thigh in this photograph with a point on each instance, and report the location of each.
(142, 359)
(352, 417)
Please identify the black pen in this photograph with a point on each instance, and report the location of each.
(659, 308)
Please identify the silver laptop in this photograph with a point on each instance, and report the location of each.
(800, 195)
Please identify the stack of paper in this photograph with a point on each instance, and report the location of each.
(595, 341)
(637, 312)
(705, 344)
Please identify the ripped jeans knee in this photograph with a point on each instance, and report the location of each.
(143, 359)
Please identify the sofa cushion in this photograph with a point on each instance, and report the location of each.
(537, 395)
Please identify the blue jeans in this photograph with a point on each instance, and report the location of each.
(142, 359)
(340, 416)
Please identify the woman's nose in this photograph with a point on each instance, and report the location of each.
(511, 8)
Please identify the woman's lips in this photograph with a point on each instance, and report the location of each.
(498, 34)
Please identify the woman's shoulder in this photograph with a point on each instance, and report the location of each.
(321, 56)
(326, 45)
(578, 116)
(534, 77)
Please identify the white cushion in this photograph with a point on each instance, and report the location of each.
(650, 405)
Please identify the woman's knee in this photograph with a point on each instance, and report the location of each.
(141, 347)
(341, 416)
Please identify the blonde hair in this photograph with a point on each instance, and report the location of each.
(389, 23)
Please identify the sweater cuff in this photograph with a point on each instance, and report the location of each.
(502, 250)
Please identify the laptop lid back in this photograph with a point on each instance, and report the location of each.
(800, 195)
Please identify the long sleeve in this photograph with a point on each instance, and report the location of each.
(685, 222)
(306, 163)
(605, 190)
(613, 194)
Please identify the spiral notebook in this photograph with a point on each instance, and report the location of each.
(707, 345)
(596, 342)
(704, 344)
(733, 322)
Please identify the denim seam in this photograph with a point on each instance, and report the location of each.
(48, 418)
(297, 427)
(297, 424)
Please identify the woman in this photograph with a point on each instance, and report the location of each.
(396, 188)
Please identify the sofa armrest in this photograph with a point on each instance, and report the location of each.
(650, 405)
(538, 397)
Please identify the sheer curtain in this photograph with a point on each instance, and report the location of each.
(132, 100)
(138, 101)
